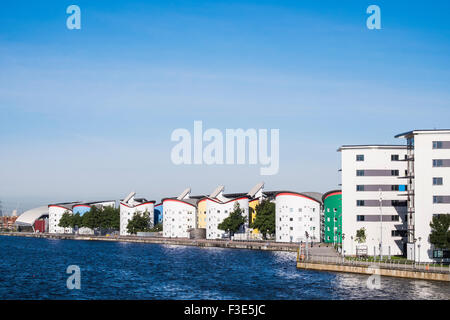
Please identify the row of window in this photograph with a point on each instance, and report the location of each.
(441, 144)
(394, 157)
(394, 187)
(362, 173)
(437, 163)
(373, 203)
(441, 199)
(377, 218)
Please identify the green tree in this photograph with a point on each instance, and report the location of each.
(66, 220)
(440, 234)
(361, 235)
(76, 221)
(157, 228)
(139, 223)
(91, 219)
(265, 218)
(234, 221)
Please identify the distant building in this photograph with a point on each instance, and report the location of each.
(7, 222)
(56, 211)
(427, 178)
(82, 208)
(130, 206)
(374, 198)
(34, 220)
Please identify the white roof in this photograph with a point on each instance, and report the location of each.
(29, 217)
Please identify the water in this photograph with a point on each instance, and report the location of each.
(35, 268)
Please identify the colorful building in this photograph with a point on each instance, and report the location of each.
(332, 213)
(201, 213)
(158, 213)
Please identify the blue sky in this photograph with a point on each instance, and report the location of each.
(88, 114)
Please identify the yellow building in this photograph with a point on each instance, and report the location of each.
(201, 214)
(252, 207)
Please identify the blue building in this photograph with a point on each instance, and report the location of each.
(158, 213)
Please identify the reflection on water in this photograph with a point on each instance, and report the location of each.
(36, 269)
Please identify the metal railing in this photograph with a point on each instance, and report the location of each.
(403, 265)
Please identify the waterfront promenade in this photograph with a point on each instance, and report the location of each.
(423, 271)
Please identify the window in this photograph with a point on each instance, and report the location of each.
(438, 199)
(394, 172)
(394, 187)
(394, 157)
(437, 162)
(360, 203)
(359, 173)
(398, 233)
(334, 210)
(398, 203)
(359, 157)
(437, 144)
(395, 218)
(290, 219)
(359, 188)
(359, 218)
(437, 181)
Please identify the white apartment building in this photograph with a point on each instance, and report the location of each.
(55, 212)
(297, 217)
(218, 207)
(179, 215)
(130, 206)
(374, 198)
(428, 179)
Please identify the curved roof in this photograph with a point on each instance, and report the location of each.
(315, 196)
(330, 193)
(29, 217)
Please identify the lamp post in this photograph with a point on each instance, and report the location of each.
(342, 248)
(351, 243)
(418, 246)
(381, 225)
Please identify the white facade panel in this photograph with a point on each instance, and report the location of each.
(365, 170)
(424, 172)
(217, 211)
(178, 218)
(296, 216)
(127, 211)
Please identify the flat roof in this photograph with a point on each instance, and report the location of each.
(419, 131)
(372, 146)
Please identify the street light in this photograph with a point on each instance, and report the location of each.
(381, 225)
(351, 243)
(419, 247)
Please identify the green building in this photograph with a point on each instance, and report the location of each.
(332, 215)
